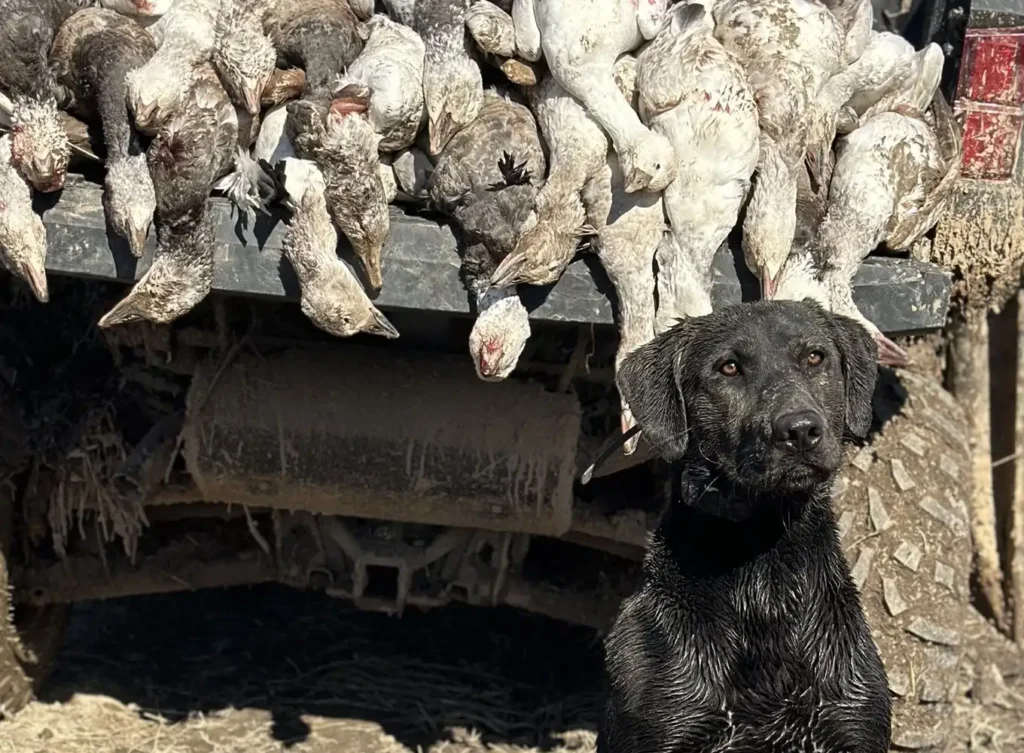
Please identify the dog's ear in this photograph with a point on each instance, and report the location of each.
(649, 383)
(859, 356)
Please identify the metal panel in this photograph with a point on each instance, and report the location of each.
(421, 262)
(357, 431)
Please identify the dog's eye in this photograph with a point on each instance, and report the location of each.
(729, 369)
(815, 357)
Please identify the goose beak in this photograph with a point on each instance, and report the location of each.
(124, 311)
(379, 325)
(35, 277)
(628, 422)
(509, 272)
(488, 362)
(441, 133)
(371, 263)
(130, 308)
(145, 116)
(890, 354)
(53, 183)
(252, 101)
(637, 180)
(137, 240)
(769, 284)
(519, 72)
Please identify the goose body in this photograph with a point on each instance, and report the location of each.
(892, 179)
(629, 228)
(338, 137)
(452, 82)
(185, 158)
(39, 147)
(185, 36)
(243, 53)
(95, 51)
(888, 72)
(320, 36)
(331, 295)
(389, 73)
(801, 275)
(485, 180)
(581, 41)
(27, 31)
(22, 235)
(491, 28)
(696, 94)
(789, 50)
(912, 84)
(585, 193)
(578, 151)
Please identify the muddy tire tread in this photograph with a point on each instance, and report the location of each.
(902, 506)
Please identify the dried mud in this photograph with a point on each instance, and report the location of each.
(273, 669)
(305, 431)
(981, 238)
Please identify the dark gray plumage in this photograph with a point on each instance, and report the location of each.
(319, 35)
(490, 203)
(27, 30)
(452, 83)
(39, 146)
(487, 179)
(193, 150)
(93, 53)
(185, 158)
(491, 222)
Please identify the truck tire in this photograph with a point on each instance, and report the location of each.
(902, 506)
(30, 636)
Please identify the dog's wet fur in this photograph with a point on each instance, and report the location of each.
(747, 635)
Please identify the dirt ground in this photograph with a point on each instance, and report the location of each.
(271, 669)
(989, 715)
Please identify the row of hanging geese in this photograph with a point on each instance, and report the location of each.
(635, 129)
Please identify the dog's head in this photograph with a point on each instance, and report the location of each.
(757, 395)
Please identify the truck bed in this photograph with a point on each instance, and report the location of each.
(421, 265)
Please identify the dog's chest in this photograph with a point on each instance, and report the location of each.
(765, 656)
(776, 648)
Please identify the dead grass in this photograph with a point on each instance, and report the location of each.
(100, 724)
(81, 485)
(268, 670)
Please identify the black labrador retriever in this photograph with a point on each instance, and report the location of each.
(747, 635)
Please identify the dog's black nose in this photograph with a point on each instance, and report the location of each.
(800, 430)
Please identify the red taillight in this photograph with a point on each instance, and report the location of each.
(990, 94)
(992, 68)
(991, 142)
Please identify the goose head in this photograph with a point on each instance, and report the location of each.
(452, 94)
(129, 200)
